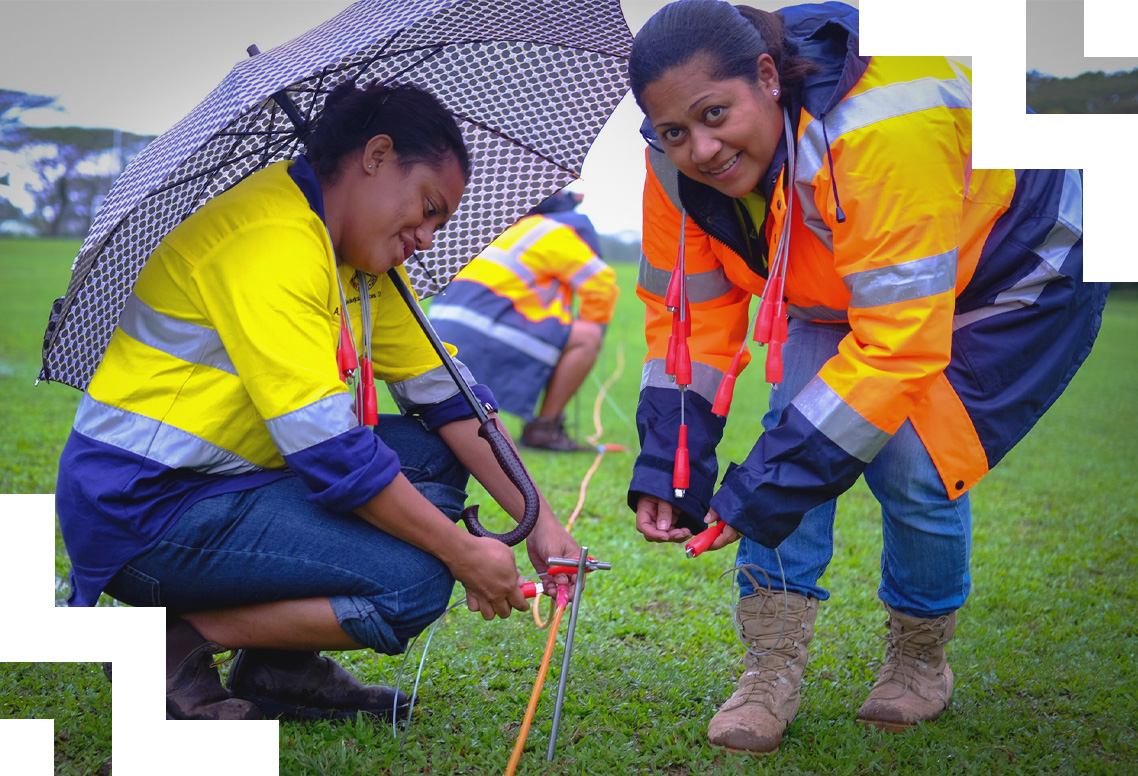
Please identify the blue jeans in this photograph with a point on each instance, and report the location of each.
(927, 537)
(271, 544)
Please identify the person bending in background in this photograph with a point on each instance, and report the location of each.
(510, 313)
(936, 311)
(218, 466)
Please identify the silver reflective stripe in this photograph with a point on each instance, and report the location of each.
(180, 339)
(704, 378)
(701, 286)
(903, 282)
(667, 174)
(504, 259)
(853, 113)
(1022, 294)
(547, 293)
(1071, 201)
(155, 440)
(314, 423)
(431, 387)
(811, 215)
(878, 104)
(1053, 252)
(511, 258)
(515, 338)
(1057, 246)
(838, 421)
(1068, 227)
(817, 313)
(592, 267)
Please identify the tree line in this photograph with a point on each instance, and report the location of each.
(1096, 92)
(65, 172)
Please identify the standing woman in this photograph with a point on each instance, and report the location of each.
(936, 311)
(220, 467)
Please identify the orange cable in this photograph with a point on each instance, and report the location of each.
(524, 731)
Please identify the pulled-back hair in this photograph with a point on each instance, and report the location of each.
(732, 37)
(420, 128)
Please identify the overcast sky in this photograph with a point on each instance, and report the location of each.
(140, 65)
(1055, 41)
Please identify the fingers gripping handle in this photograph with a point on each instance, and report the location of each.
(514, 468)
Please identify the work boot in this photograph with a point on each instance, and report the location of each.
(193, 686)
(549, 434)
(915, 682)
(304, 685)
(754, 718)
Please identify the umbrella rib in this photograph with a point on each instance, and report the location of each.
(513, 141)
(217, 167)
(437, 49)
(471, 41)
(416, 63)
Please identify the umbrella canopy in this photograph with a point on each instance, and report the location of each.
(530, 83)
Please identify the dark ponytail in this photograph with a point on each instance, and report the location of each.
(733, 37)
(420, 128)
(792, 69)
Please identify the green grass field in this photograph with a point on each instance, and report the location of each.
(1044, 649)
(77, 696)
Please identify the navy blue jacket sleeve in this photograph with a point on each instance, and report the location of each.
(658, 424)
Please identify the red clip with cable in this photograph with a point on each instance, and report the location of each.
(701, 541)
(778, 337)
(680, 473)
(346, 353)
(726, 390)
(370, 414)
(769, 310)
(672, 296)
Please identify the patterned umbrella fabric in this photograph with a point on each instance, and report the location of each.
(531, 82)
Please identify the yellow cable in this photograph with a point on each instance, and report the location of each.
(592, 440)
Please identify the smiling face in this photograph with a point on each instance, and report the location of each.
(381, 212)
(719, 132)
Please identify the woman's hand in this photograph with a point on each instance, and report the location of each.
(485, 567)
(490, 575)
(549, 539)
(656, 519)
(729, 535)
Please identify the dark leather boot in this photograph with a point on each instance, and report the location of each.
(549, 434)
(304, 685)
(193, 686)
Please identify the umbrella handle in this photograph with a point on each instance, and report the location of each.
(505, 453)
(514, 468)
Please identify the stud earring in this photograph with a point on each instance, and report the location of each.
(775, 92)
(369, 166)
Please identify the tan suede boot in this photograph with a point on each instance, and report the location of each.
(915, 683)
(754, 718)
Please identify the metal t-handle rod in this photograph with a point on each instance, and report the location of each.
(577, 591)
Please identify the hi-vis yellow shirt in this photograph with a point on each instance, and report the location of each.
(222, 372)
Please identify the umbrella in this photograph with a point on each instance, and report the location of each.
(530, 83)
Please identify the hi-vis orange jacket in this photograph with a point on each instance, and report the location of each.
(509, 310)
(962, 289)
